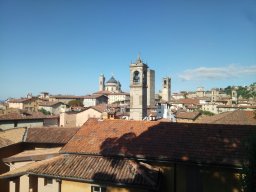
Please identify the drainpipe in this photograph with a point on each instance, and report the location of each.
(59, 181)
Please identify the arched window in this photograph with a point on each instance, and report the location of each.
(136, 77)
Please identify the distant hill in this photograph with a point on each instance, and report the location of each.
(244, 91)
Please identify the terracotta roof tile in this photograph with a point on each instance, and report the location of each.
(101, 107)
(33, 155)
(238, 117)
(50, 135)
(187, 101)
(48, 103)
(94, 96)
(11, 136)
(188, 115)
(21, 100)
(93, 169)
(20, 116)
(200, 143)
(26, 168)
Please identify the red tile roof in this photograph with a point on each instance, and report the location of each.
(94, 96)
(33, 155)
(11, 136)
(188, 115)
(100, 108)
(50, 135)
(20, 116)
(21, 100)
(199, 143)
(188, 101)
(93, 169)
(50, 104)
(238, 117)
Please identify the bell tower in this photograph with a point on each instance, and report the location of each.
(138, 90)
(101, 83)
(166, 90)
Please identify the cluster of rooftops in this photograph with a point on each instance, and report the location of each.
(117, 151)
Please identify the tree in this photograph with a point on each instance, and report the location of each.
(75, 103)
(208, 113)
(45, 112)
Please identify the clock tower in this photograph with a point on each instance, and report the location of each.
(138, 90)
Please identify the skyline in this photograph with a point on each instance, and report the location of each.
(63, 47)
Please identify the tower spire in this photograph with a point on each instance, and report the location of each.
(139, 59)
(139, 56)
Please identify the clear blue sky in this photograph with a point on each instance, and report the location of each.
(63, 46)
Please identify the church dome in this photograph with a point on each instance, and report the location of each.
(112, 80)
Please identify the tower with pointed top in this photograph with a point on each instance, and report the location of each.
(138, 90)
(166, 90)
(101, 83)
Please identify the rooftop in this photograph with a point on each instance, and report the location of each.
(188, 115)
(112, 80)
(175, 142)
(20, 116)
(33, 155)
(93, 168)
(50, 135)
(238, 117)
(11, 136)
(48, 103)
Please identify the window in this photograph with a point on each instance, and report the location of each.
(47, 181)
(98, 189)
(136, 77)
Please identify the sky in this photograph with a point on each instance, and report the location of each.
(63, 46)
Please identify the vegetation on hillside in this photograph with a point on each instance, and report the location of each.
(246, 92)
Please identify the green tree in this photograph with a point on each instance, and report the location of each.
(75, 103)
(45, 112)
(208, 113)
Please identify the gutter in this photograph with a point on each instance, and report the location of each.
(93, 181)
(159, 160)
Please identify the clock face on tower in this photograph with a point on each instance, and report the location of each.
(136, 77)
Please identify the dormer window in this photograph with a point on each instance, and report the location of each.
(136, 77)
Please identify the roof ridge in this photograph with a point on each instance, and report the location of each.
(25, 135)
